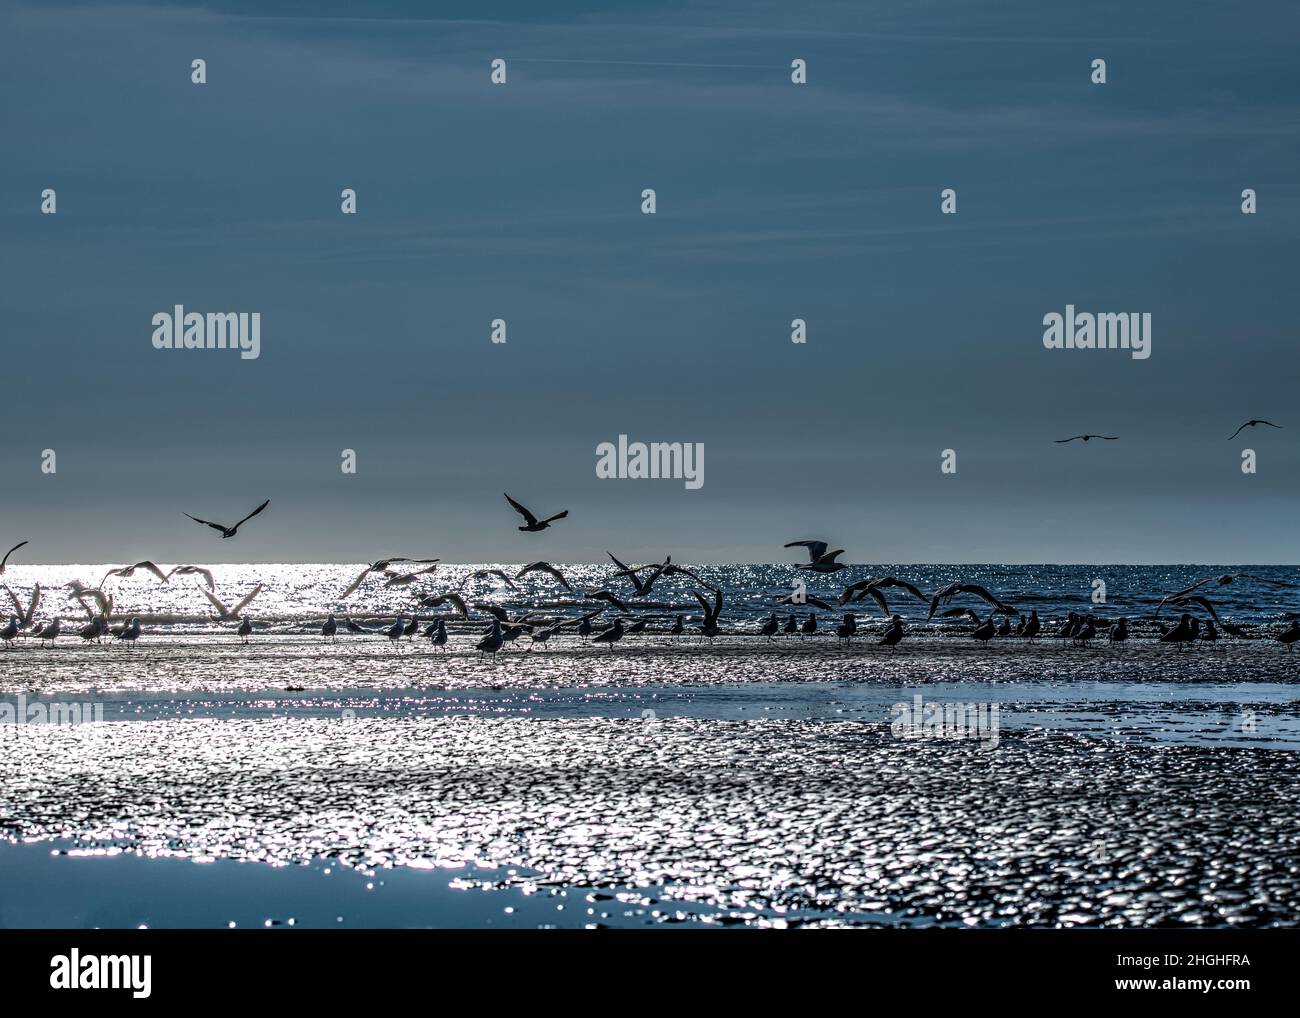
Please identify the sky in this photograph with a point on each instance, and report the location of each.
(775, 201)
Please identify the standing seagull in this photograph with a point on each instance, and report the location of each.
(229, 531)
(1086, 438)
(893, 634)
(611, 635)
(50, 632)
(10, 632)
(1251, 424)
(245, 629)
(330, 628)
(531, 523)
(5, 560)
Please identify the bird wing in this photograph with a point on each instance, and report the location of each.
(251, 515)
(1203, 602)
(207, 576)
(1239, 431)
(831, 556)
(1059, 441)
(98, 596)
(708, 612)
(1174, 598)
(5, 560)
(504, 578)
(875, 595)
(1107, 438)
(216, 601)
(816, 549)
(1261, 579)
(894, 581)
(14, 598)
(529, 518)
(557, 516)
(36, 600)
(817, 602)
(244, 603)
(957, 612)
(150, 567)
(982, 592)
(206, 523)
(355, 583)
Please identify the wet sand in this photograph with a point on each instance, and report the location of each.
(270, 661)
(765, 817)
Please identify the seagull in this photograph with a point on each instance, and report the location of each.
(127, 571)
(480, 574)
(1086, 438)
(130, 633)
(1251, 424)
(845, 630)
(543, 567)
(893, 634)
(985, 630)
(870, 586)
(26, 618)
(1209, 634)
(531, 523)
(821, 561)
(1119, 631)
(330, 629)
(1222, 581)
(352, 627)
(1032, 627)
(1290, 636)
(809, 626)
(50, 632)
(611, 635)
(5, 560)
(639, 626)
(540, 636)
(791, 626)
(1184, 632)
(607, 597)
(491, 643)
(794, 597)
(769, 628)
(642, 586)
(406, 579)
(193, 571)
(412, 627)
(227, 532)
(435, 600)
(1086, 632)
(103, 601)
(710, 625)
(953, 589)
(245, 629)
(1005, 628)
(394, 632)
(225, 614)
(382, 567)
(438, 636)
(10, 632)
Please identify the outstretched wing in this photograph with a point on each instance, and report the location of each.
(150, 567)
(529, 518)
(206, 523)
(251, 515)
(216, 601)
(5, 560)
(245, 602)
(816, 549)
(355, 583)
(36, 600)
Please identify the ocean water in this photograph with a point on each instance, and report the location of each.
(299, 595)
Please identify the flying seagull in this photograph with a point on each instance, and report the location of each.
(1106, 438)
(482, 574)
(229, 614)
(543, 567)
(382, 566)
(193, 571)
(821, 561)
(229, 531)
(127, 571)
(5, 560)
(434, 600)
(406, 579)
(947, 593)
(1251, 424)
(531, 523)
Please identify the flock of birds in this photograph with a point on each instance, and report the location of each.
(540, 626)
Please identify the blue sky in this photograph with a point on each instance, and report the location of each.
(522, 202)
